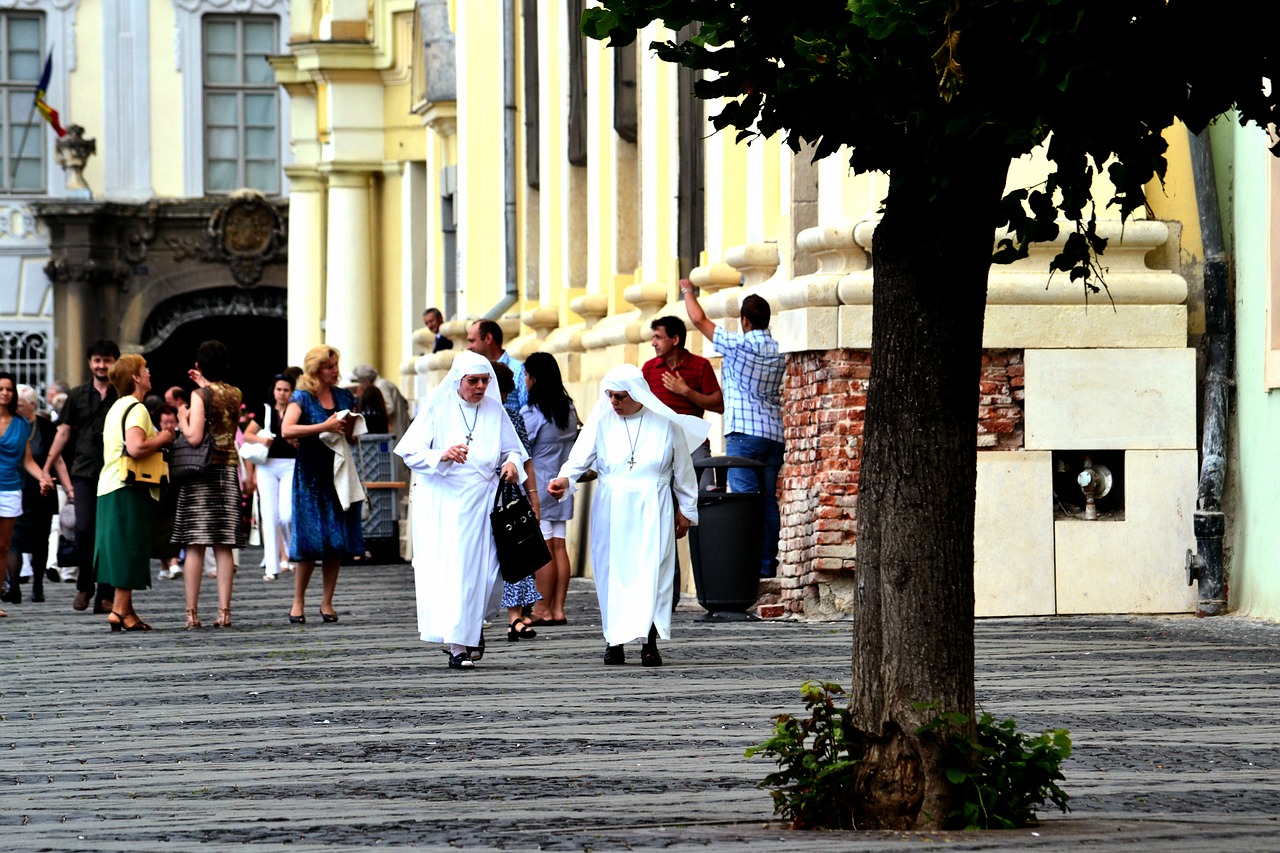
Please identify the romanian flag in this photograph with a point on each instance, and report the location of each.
(49, 113)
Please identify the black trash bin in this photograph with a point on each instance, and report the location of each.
(725, 546)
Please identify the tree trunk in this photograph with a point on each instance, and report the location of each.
(913, 632)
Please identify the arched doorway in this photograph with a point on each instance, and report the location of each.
(251, 324)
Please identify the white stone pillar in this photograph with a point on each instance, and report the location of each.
(306, 264)
(349, 279)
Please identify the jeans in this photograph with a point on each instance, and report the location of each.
(745, 480)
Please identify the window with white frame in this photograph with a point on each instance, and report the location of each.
(241, 104)
(22, 147)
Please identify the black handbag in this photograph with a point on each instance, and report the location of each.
(521, 548)
(185, 461)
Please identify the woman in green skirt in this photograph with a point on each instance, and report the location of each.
(122, 544)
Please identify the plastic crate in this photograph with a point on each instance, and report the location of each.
(374, 461)
(374, 458)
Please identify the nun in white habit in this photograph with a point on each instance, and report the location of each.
(457, 447)
(646, 499)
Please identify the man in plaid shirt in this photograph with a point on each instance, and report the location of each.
(753, 369)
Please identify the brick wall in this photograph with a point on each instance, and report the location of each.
(824, 403)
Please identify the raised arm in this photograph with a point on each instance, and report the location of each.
(696, 315)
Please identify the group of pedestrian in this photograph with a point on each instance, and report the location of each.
(640, 442)
(113, 427)
(492, 419)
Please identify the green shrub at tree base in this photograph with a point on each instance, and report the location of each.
(813, 786)
(1001, 776)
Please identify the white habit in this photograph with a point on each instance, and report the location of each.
(633, 539)
(455, 562)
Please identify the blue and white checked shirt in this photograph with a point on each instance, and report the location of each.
(753, 370)
(518, 398)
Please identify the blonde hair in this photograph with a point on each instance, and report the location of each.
(315, 357)
(122, 372)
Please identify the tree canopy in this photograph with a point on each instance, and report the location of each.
(895, 81)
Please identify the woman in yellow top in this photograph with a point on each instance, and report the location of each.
(122, 543)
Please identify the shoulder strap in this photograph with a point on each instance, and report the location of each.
(124, 451)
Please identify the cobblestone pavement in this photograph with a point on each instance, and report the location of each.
(356, 734)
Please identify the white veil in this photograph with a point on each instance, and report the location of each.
(629, 378)
(413, 446)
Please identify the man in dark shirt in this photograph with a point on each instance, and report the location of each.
(433, 319)
(80, 426)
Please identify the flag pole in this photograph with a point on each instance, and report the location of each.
(22, 146)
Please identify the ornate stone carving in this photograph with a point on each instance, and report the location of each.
(246, 234)
(18, 226)
(61, 270)
(139, 234)
(73, 152)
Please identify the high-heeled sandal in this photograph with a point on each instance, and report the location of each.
(119, 623)
(193, 618)
(224, 618)
(329, 617)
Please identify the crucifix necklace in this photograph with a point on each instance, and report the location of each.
(631, 460)
(471, 427)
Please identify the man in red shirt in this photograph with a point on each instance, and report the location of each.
(685, 382)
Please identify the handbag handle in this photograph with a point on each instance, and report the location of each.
(123, 420)
(507, 493)
(208, 416)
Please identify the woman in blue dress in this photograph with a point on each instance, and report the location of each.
(15, 457)
(322, 529)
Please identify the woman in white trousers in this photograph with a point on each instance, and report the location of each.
(275, 480)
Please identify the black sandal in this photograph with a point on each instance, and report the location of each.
(476, 652)
(520, 630)
(614, 656)
(649, 655)
(461, 661)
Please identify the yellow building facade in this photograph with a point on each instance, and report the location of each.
(178, 111)
(483, 158)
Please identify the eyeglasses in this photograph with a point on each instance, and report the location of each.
(620, 396)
